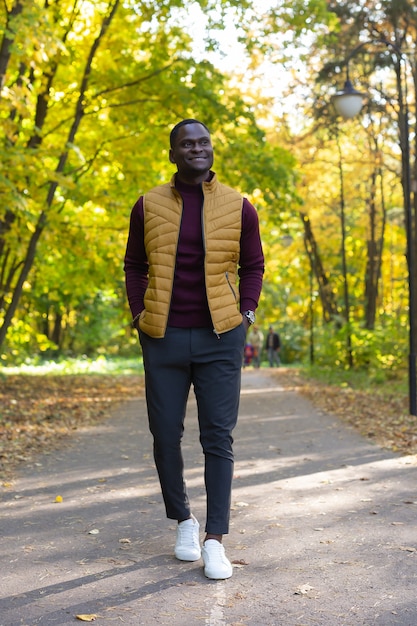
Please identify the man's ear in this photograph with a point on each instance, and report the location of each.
(171, 157)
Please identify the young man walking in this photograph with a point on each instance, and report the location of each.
(194, 268)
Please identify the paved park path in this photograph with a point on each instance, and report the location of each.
(323, 532)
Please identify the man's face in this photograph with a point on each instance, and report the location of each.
(192, 153)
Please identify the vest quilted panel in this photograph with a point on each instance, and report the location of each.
(221, 235)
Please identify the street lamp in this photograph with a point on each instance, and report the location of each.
(348, 103)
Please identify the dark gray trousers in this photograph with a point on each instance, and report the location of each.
(197, 357)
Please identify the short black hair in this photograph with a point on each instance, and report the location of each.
(174, 131)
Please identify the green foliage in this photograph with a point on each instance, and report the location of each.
(294, 342)
(381, 381)
(373, 351)
(90, 93)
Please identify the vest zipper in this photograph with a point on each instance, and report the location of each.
(230, 285)
(203, 238)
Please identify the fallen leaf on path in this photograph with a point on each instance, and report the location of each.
(87, 618)
(302, 590)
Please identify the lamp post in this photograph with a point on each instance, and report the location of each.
(311, 318)
(348, 103)
(344, 262)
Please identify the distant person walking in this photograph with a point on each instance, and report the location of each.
(273, 346)
(255, 338)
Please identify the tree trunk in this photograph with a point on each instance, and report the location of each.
(325, 291)
(6, 44)
(374, 255)
(56, 331)
(27, 266)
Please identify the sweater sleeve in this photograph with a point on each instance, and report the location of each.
(251, 262)
(136, 265)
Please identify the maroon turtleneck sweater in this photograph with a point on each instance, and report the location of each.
(189, 308)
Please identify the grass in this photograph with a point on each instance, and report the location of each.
(382, 382)
(82, 365)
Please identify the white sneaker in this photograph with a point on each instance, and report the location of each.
(216, 565)
(187, 546)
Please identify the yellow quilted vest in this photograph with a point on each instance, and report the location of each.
(222, 224)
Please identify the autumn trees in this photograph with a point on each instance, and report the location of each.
(89, 91)
(360, 165)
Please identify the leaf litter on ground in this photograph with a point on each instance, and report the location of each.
(383, 418)
(37, 413)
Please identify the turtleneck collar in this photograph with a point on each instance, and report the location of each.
(181, 186)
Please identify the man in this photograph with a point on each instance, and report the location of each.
(273, 346)
(256, 340)
(188, 242)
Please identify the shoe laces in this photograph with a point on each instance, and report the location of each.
(216, 549)
(187, 534)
